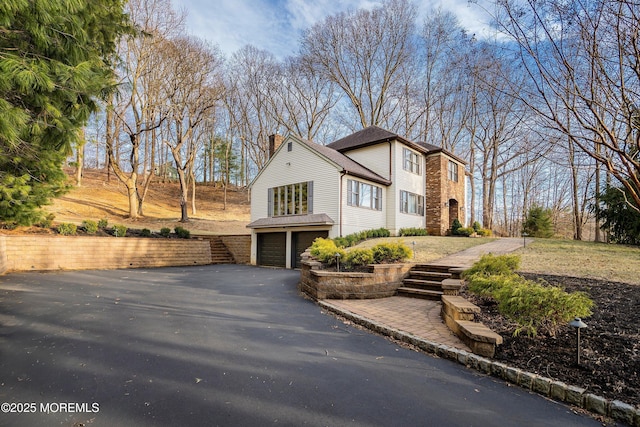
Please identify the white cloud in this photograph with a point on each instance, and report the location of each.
(276, 25)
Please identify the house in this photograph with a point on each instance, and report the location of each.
(370, 179)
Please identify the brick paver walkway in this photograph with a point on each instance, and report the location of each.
(417, 316)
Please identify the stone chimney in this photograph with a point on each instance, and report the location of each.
(274, 142)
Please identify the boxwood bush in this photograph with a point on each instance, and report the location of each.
(413, 231)
(67, 229)
(325, 250)
(355, 238)
(91, 227)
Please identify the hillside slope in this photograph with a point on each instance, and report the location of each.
(99, 198)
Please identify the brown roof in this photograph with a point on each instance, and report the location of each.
(292, 220)
(350, 166)
(374, 135)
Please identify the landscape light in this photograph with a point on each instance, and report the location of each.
(578, 324)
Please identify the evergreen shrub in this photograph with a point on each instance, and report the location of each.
(91, 227)
(67, 229)
(536, 307)
(182, 232)
(413, 231)
(119, 230)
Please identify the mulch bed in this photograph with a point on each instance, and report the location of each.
(610, 345)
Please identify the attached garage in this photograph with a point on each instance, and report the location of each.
(279, 241)
(272, 249)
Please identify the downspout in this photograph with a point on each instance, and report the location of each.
(342, 174)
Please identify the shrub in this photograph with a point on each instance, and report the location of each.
(455, 226)
(47, 221)
(485, 232)
(476, 226)
(119, 230)
(67, 229)
(538, 222)
(492, 265)
(413, 231)
(182, 232)
(165, 231)
(384, 253)
(355, 238)
(534, 306)
(358, 257)
(103, 223)
(537, 307)
(465, 231)
(91, 227)
(145, 232)
(325, 251)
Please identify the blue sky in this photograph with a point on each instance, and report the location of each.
(276, 25)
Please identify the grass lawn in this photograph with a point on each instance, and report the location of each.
(618, 263)
(429, 248)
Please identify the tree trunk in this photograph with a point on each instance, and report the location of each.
(80, 160)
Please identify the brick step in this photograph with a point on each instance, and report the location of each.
(420, 293)
(431, 268)
(429, 275)
(422, 284)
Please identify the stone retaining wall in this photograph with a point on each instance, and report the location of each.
(3, 255)
(239, 246)
(26, 253)
(382, 280)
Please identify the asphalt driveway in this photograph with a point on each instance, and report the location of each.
(223, 345)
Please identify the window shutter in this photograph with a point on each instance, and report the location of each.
(270, 202)
(310, 197)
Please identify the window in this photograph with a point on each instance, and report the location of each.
(412, 161)
(411, 203)
(453, 171)
(364, 195)
(292, 199)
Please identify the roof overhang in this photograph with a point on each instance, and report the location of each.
(292, 221)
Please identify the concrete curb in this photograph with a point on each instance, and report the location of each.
(556, 390)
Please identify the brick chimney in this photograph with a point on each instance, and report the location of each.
(274, 142)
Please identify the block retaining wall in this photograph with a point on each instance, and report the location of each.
(239, 246)
(41, 253)
(382, 280)
(3, 255)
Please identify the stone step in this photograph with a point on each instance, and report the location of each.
(429, 275)
(422, 284)
(419, 293)
(219, 252)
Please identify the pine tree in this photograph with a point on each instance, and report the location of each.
(54, 63)
(538, 222)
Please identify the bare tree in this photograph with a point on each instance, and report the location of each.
(363, 52)
(141, 109)
(193, 87)
(584, 54)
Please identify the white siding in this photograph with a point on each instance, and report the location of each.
(354, 218)
(298, 165)
(374, 158)
(407, 181)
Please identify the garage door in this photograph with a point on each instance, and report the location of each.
(301, 241)
(272, 249)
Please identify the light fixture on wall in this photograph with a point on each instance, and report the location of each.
(288, 163)
(446, 204)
